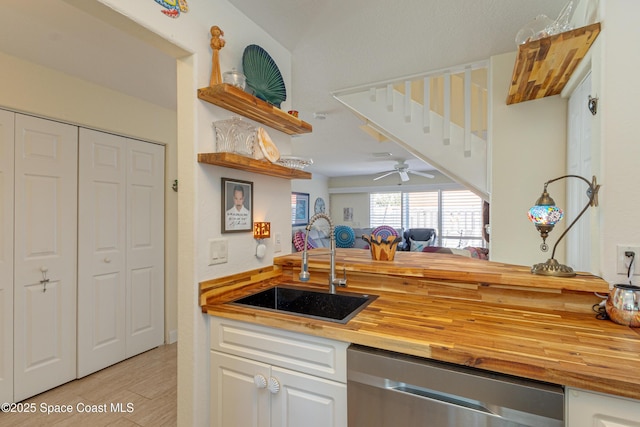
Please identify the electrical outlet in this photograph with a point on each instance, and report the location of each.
(217, 251)
(277, 244)
(623, 260)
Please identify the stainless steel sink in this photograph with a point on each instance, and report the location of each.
(339, 308)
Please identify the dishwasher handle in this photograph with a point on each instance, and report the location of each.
(442, 398)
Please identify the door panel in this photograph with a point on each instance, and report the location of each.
(305, 400)
(145, 246)
(6, 256)
(102, 251)
(44, 249)
(236, 400)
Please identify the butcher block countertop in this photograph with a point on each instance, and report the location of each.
(488, 315)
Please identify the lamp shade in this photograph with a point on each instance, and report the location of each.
(261, 230)
(545, 214)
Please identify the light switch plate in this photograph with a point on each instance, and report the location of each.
(218, 251)
(277, 244)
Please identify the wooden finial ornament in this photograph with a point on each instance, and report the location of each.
(217, 43)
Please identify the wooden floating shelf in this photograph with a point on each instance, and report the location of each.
(543, 67)
(264, 167)
(240, 102)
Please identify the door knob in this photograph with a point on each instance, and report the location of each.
(273, 386)
(45, 279)
(260, 381)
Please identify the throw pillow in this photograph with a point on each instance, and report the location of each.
(298, 242)
(418, 246)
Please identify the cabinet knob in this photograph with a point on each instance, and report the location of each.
(260, 381)
(274, 385)
(107, 260)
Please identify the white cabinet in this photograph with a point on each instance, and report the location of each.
(585, 408)
(121, 249)
(269, 377)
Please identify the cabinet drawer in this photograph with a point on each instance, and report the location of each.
(299, 352)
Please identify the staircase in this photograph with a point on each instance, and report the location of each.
(451, 134)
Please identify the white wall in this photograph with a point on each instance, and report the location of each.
(34, 89)
(618, 110)
(357, 202)
(528, 146)
(200, 195)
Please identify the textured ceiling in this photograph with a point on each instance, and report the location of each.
(335, 44)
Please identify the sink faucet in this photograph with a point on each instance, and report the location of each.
(304, 273)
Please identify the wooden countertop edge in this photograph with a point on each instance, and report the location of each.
(445, 267)
(606, 379)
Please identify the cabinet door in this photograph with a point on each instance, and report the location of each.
(307, 401)
(236, 400)
(101, 251)
(6, 256)
(46, 158)
(145, 246)
(600, 410)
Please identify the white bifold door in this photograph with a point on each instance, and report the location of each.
(6, 256)
(45, 237)
(121, 249)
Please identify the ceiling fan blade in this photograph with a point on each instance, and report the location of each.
(383, 175)
(404, 176)
(426, 175)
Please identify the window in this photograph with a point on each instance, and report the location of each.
(461, 219)
(421, 209)
(385, 209)
(456, 215)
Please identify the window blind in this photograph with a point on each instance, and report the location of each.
(456, 215)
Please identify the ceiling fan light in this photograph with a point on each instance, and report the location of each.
(404, 176)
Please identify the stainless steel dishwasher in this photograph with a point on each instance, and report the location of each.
(386, 389)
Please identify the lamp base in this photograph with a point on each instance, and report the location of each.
(553, 268)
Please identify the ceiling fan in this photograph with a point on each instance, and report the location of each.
(402, 169)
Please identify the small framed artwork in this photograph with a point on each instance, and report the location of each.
(237, 205)
(347, 214)
(299, 209)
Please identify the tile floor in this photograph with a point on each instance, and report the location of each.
(145, 386)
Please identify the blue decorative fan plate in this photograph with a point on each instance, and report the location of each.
(263, 75)
(345, 236)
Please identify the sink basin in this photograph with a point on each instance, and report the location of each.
(339, 308)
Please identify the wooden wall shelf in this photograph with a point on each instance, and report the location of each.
(240, 102)
(544, 66)
(264, 167)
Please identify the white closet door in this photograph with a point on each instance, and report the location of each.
(6, 256)
(145, 246)
(101, 251)
(46, 156)
(579, 162)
